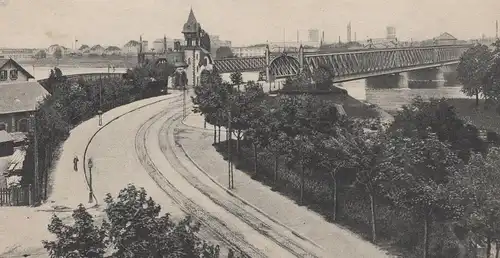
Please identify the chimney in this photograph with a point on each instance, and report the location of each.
(140, 44)
(349, 33)
(497, 28)
(164, 44)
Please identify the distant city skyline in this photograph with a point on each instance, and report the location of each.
(38, 24)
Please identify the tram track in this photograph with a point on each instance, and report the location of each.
(212, 224)
(292, 244)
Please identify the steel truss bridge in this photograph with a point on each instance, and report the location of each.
(348, 65)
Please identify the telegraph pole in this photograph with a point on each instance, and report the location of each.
(100, 100)
(229, 162)
(184, 100)
(36, 182)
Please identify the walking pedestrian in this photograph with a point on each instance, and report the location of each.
(75, 163)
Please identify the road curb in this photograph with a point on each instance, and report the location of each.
(293, 231)
(106, 124)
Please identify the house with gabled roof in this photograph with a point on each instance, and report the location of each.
(445, 39)
(11, 71)
(19, 96)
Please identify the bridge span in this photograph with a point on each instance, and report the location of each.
(348, 65)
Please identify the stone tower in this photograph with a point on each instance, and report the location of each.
(192, 50)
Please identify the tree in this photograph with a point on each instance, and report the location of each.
(418, 172)
(58, 53)
(471, 70)
(78, 239)
(416, 117)
(491, 78)
(365, 148)
(478, 184)
(236, 78)
(132, 228)
(136, 227)
(224, 52)
(41, 54)
(210, 99)
(245, 108)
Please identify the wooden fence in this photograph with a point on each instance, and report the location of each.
(16, 196)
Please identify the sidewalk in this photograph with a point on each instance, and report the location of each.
(334, 239)
(23, 228)
(69, 188)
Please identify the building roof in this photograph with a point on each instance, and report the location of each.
(5, 61)
(5, 136)
(191, 25)
(445, 36)
(21, 96)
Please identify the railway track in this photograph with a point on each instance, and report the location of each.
(293, 244)
(212, 224)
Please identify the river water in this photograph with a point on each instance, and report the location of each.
(388, 96)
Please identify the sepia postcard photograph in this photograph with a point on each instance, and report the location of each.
(249, 129)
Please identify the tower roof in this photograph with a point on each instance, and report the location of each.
(191, 25)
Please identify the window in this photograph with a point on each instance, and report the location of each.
(22, 125)
(13, 75)
(3, 127)
(3, 75)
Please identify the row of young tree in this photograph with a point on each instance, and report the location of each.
(479, 70)
(69, 104)
(133, 226)
(426, 182)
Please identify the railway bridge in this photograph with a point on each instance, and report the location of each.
(348, 65)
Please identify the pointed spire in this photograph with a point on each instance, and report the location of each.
(191, 18)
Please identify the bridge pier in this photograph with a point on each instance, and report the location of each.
(398, 80)
(426, 75)
(450, 74)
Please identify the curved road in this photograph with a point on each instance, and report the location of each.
(140, 149)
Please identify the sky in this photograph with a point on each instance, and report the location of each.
(40, 23)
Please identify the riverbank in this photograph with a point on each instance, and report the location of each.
(83, 62)
(479, 116)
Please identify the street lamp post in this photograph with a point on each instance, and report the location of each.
(91, 193)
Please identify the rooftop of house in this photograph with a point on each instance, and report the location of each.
(5, 61)
(21, 96)
(445, 36)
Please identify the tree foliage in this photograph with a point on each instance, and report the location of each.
(472, 69)
(80, 238)
(224, 52)
(58, 54)
(133, 227)
(416, 117)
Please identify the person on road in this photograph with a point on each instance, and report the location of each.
(75, 163)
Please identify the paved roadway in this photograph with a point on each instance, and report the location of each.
(140, 148)
(129, 150)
